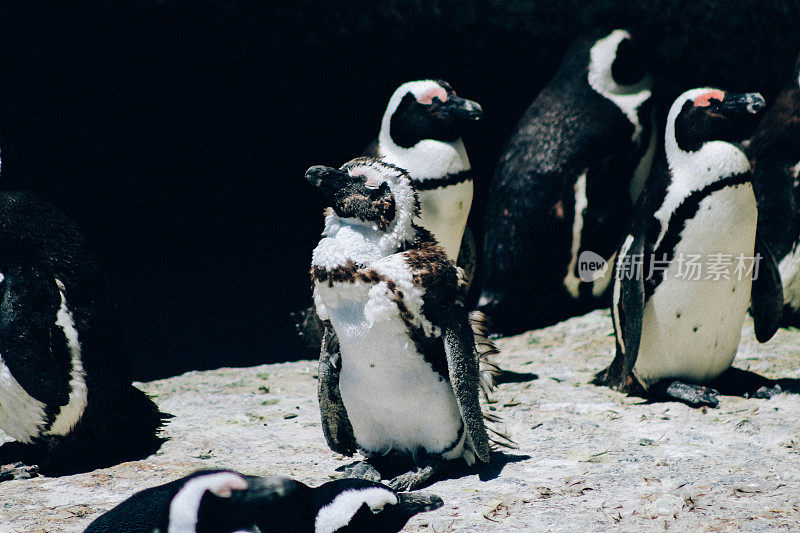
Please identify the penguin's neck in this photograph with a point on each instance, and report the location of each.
(692, 171)
(428, 159)
(714, 160)
(628, 98)
(347, 239)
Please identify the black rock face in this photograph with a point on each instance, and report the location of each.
(176, 133)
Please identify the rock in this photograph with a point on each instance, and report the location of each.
(597, 460)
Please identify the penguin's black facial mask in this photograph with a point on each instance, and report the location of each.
(631, 62)
(437, 114)
(717, 115)
(355, 195)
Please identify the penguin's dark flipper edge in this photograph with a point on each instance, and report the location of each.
(766, 298)
(335, 422)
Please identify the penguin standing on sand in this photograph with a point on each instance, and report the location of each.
(223, 501)
(678, 326)
(774, 151)
(65, 388)
(398, 370)
(421, 132)
(566, 183)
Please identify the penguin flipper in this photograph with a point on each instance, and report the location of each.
(335, 422)
(766, 297)
(627, 310)
(462, 364)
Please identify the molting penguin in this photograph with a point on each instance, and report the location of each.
(566, 183)
(774, 151)
(677, 325)
(398, 367)
(223, 501)
(65, 388)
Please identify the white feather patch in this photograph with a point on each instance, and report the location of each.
(185, 504)
(21, 416)
(71, 413)
(628, 98)
(341, 510)
(571, 281)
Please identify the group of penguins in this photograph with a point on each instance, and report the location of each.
(404, 360)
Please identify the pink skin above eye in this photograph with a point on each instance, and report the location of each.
(373, 181)
(704, 99)
(435, 92)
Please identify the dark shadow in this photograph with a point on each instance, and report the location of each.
(394, 464)
(509, 376)
(738, 382)
(494, 468)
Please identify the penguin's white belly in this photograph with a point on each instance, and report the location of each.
(444, 213)
(691, 328)
(21, 415)
(393, 398)
(789, 268)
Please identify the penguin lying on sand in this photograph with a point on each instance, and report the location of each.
(566, 184)
(222, 501)
(398, 367)
(774, 151)
(678, 326)
(65, 388)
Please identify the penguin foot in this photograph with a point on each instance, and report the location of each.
(362, 470)
(18, 471)
(767, 392)
(688, 393)
(413, 479)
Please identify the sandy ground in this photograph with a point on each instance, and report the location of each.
(589, 458)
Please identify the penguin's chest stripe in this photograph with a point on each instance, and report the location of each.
(445, 181)
(70, 413)
(686, 211)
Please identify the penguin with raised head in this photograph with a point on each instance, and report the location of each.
(224, 501)
(774, 152)
(691, 255)
(65, 388)
(398, 371)
(421, 132)
(565, 185)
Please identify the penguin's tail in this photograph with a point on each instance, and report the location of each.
(489, 370)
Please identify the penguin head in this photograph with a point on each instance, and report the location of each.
(702, 115)
(618, 62)
(427, 109)
(361, 505)
(367, 191)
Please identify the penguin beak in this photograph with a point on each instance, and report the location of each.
(463, 109)
(327, 179)
(742, 104)
(418, 502)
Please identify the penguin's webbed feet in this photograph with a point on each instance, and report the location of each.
(17, 470)
(426, 470)
(688, 393)
(362, 470)
(413, 479)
